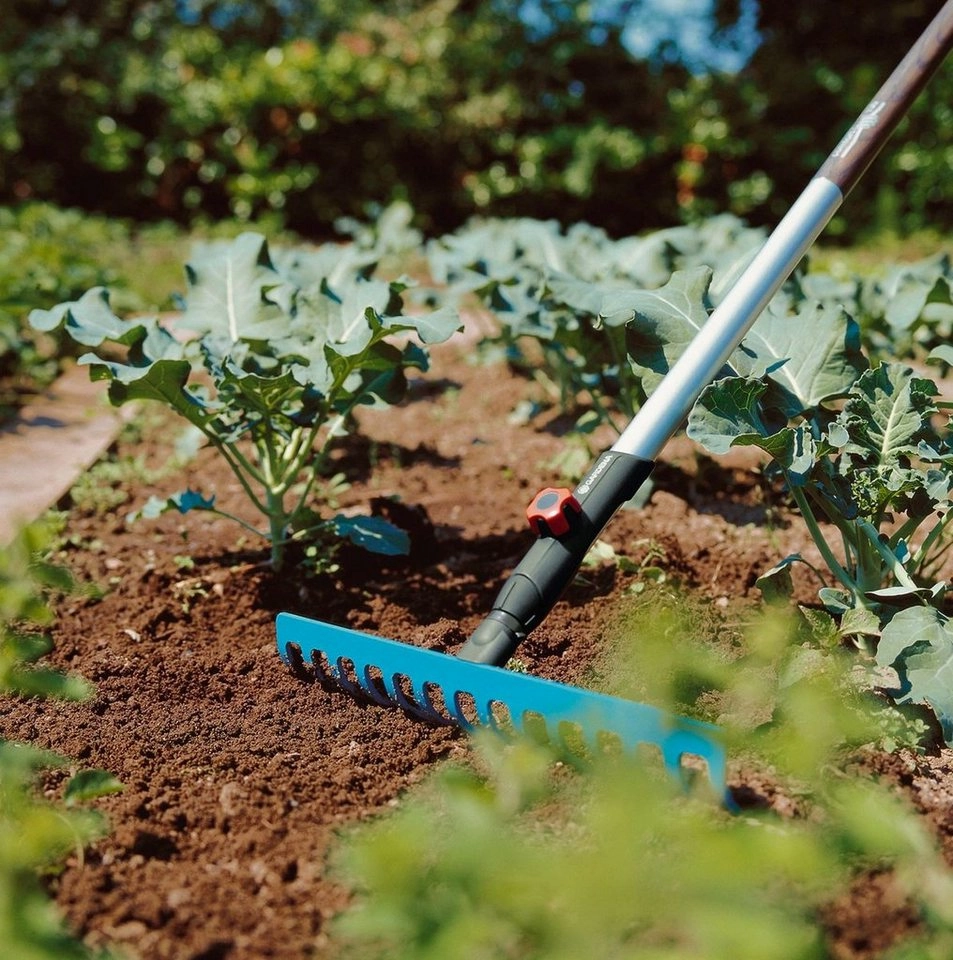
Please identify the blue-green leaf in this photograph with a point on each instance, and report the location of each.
(583, 296)
(352, 327)
(941, 354)
(227, 287)
(434, 326)
(918, 644)
(183, 502)
(661, 323)
(374, 534)
(809, 358)
(912, 286)
(726, 411)
(89, 320)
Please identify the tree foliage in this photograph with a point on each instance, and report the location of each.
(761, 134)
(313, 110)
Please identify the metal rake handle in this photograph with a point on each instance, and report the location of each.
(552, 561)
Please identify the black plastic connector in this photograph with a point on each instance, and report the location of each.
(550, 564)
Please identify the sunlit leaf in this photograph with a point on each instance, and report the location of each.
(89, 785)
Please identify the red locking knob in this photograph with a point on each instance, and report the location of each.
(551, 511)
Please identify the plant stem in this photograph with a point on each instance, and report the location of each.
(277, 526)
(818, 537)
(603, 411)
(925, 549)
(240, 465)
(239, 521)
(626, 385)
(896, 568)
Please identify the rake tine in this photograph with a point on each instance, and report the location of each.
(482, 715)
(322, 670)
(531, 725)
(440, 714)
(339, 676)
(481, 706)
(455, 708)
(496, 707)
(420, 705)
(371, 685)
(295, 660)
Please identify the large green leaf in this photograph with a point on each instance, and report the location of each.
(582, 296)
(809, 358)
(660, 323)
(918, 644)
(163, 380)
(312, 368)
(887, 414)
(331, 264)
(370, 310)
(728, 414)
(89, 320)
(725, 411)
(353, 327)
(227, 287)
(434, 326)
(911, 287)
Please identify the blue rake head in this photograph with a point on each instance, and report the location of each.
(444, 690)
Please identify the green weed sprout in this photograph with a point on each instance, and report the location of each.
(37, 834)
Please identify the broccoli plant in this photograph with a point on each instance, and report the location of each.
(546, 288)
(865, 454)
(269, 367)
(872, 481)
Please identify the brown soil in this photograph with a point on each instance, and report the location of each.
(237, 774)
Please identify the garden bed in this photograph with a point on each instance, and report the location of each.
(238, 775)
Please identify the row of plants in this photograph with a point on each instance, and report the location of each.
(39, 828)
(571, 291)
(857, 438)
(280, 349)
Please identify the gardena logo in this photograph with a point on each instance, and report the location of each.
(597, 471)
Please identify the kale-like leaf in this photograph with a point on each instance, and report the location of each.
(918, 644)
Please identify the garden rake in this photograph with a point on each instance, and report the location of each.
(471, 689)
